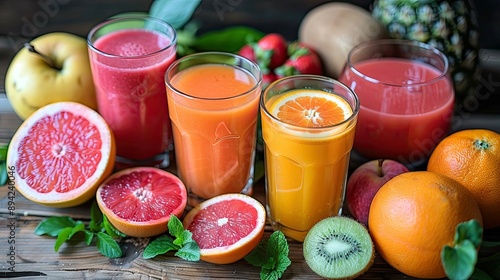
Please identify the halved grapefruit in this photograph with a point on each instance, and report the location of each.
(226, 227)
(138, 201)
(61, 153)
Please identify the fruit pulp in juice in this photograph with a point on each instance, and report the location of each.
(214, 128)
(400, 123)
(305, 174)
(131, 90)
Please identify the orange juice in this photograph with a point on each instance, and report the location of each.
(306, 169)
(213, 108)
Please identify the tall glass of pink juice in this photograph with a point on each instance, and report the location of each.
(213, 100)
(406, 98)
(129, 58)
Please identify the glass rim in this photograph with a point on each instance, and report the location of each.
(145, 18)
(258, 80)
(355, 109)
(399, 42)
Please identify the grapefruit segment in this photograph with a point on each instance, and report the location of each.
(138, 201)
(61, 153)
(226, 227)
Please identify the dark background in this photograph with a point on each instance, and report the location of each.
(22, 20)
(283, 16)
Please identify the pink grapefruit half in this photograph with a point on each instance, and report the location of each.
(60, 154)
(138, 201)
(226, 227)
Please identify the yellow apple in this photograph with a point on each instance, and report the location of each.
(57, 68)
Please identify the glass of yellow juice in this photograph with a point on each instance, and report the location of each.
(308, 125)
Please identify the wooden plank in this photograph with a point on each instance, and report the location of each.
(35, 254)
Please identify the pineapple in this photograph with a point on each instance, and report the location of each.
(450, 26)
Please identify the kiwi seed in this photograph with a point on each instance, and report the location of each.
(338, 248)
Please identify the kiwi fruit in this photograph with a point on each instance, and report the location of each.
(338, 248)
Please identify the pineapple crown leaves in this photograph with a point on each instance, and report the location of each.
(412, 3)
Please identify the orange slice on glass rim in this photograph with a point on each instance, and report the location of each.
(310, 108)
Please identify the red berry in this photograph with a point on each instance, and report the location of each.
(299, 63)
(271, 51)
(247, 52)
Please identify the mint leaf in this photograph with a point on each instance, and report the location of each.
(62, 237)
(470, 230)
(3, 173)
(183, 243)
(95, 213)
(3, 165)
(110, 229)
(269, 274)
(175, 227)
(271, 256)
(54, 225)
(89, 236)
(159, 246)
(459, 260)
(108, 246)
(65, 228)
(79, 227)
(189, 252)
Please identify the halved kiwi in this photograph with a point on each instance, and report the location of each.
(338, 248)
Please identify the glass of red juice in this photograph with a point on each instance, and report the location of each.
(129, 57)
(406, 99)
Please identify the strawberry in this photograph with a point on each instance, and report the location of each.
(270, 52)
(247, 52)
(302, 60)
(268, 78)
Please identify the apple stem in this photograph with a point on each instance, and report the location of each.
(380, 173)
(45, 57)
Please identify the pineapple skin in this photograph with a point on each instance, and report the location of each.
(450, 26)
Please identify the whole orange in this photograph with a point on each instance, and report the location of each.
(414, 215)
(472, 157)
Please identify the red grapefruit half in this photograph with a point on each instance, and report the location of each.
(138, 201)
(61, 154)
(226, 227)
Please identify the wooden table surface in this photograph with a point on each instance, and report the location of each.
(34, 255)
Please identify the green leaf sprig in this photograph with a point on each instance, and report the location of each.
(3, 164)
(271, 256)
(179, 14)
(461, 260)
(98, 229)
(488, 267)
(184, 245)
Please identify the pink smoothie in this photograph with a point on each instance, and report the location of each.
(131, 90)
(400, 122)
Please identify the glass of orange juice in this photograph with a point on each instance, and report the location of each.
(308, 125)
(213, 101)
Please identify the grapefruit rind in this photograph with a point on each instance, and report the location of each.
(238, 250)
(135, 228)
(87, 190)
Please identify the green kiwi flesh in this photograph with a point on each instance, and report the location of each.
(338, 248)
